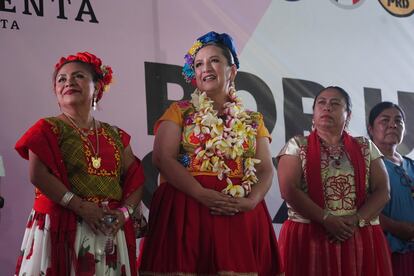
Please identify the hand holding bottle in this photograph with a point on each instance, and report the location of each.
(108, 227)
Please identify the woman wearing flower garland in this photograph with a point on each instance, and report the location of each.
(386, 127)
(87, 182)
(335, 186)
(208, 216)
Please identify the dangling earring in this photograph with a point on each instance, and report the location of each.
(94, 102)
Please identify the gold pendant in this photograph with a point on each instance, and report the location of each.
(96, 162)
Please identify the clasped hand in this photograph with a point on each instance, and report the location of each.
(225, 205)
(116, 222)
(94, 216)
(340, 228)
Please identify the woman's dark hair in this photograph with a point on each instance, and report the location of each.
(341, 91)
(225, 50)
(379, 108)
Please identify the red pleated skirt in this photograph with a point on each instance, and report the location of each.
(403, 264)
(184, 238)
(306, 250)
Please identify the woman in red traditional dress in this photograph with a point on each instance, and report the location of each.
(208, 216)
(88, 182)
(335, 185)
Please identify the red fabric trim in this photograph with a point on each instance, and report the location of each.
(41, 140)
(125, 137)
(44, 205)
(131, 245)
(134, 178)
(185, 239)
(313, 168)
(306, 250)
(130, 239)
(403, 263)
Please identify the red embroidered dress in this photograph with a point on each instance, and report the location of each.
(185, 239)
(56, 242)
(305, 246)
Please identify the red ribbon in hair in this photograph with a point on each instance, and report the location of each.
(104, 72)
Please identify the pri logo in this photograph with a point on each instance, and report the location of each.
(399, 8)
(348, 4)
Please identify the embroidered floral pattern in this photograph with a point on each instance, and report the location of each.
(86, 261)
(324, 160)
(340, 190)
(89, 154)
(302, 157)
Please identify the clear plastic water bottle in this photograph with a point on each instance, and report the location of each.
(108, 221)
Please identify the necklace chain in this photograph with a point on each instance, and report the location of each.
(96, 159)
(335, 152)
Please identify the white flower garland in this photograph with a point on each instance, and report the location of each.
(226, 139)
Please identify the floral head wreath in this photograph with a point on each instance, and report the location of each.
(104, 72)
(211, 37)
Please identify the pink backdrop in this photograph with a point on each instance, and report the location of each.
(126, 36)
(287, 45)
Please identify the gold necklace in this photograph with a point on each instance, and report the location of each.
(96, 160)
